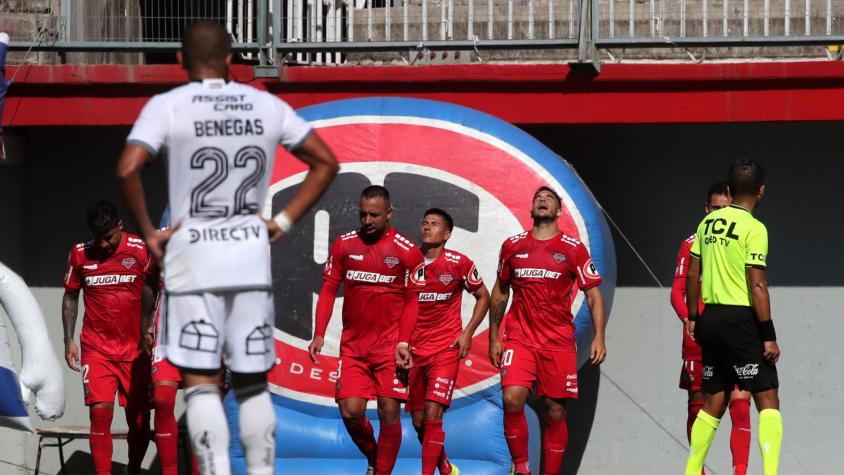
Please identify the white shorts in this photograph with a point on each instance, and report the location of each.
(202, 328)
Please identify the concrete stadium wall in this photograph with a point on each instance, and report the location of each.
(639, 424)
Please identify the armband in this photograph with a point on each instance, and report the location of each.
(766, 330)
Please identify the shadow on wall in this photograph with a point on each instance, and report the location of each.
(581, 414)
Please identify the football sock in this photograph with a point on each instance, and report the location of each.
(138, 437)
(740, 434)
(166, 428)
(770, 440)
(444, 464)
(556, 441)
(703, 432)
(257, 428)
(432, 446)
(101, 438)
(389, 443)
(208, 429)
(516, 434)
(693, 408)
(360, 430)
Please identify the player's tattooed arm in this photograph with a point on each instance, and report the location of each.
(497, 307)
(70, 310)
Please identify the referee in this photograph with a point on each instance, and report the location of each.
(735, 331)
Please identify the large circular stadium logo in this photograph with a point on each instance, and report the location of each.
(480, 169)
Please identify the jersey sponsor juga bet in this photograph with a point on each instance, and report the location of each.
(111, 325)
(545, 276)
(439, 321)
(220, 140)
(728, 241)
(374, 277)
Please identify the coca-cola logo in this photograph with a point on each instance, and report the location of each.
(708, 371)
(747, 371)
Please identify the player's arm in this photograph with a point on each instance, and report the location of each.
(148, 295)
(414, 284)
(693, 293)
(70, 310)
(678, 285)
(497, 306)
(599, 321)
(332, 276)
(132, 190)
(464, 341)
(323, 168)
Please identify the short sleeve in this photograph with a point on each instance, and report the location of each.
(294, 129)
(151, 129)
(472, 280)
(72, 281)
(587, 273)
(682, 267)
(414, 263)
(334, 264)
(504, 270)
(694, 251)
(757, 246)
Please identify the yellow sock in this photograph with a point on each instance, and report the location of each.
(770, 440)
(703, 432)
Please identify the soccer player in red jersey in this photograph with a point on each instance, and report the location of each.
(439, 340)
(691, 374)
(111, 269)
(382, 273)
(545, 267)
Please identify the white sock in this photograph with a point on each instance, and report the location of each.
(257, 428)
(208, 429)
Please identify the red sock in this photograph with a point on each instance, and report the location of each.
(556, 441)
(101, 438)
(389, 443)
(516, 434)
(444, 464)
(740, 435)
(694, 407)
(432, 446)
(166, 429)
(363, 436)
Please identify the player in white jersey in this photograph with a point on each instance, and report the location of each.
(220, 139)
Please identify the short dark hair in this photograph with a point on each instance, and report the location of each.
(549, 190)
(375, 191)
(449, 221)
(720, 188)
(205, 43)
(746, 177)
(102, 217)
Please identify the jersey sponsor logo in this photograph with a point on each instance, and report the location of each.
(128, 262)
(535, 273)
(109, 279)
(522, 256)
(747, 371)
(418, 275)
(756, 256)
(708, 372)
(356, 257)
(223, 103)
(371, 277)
(559, 258)
(391, 261)
(446, 278)
(440, 394)
(474, 278)
(590, 271)
(224, 234)
(434, 297)
(90, 266)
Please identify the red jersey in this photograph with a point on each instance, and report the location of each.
(439, 321)
(375, 277)
(111, 325)
(545, 276)
(691, 350)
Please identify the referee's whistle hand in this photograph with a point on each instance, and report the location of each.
(772, 351)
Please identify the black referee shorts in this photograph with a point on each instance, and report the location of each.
(732, 351)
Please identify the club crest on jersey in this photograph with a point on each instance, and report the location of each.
(128, 262)
(391, 261)
(446, 278)
(559, 258)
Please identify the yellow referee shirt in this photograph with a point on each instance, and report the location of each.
(727, 241)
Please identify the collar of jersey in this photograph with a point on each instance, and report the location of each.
(739, 207)
(213, 82)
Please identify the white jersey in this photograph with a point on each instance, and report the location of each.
(220, 140)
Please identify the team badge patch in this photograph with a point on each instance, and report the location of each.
(590, 270)
(446, 278)
(128, 262)
(391, 261)
(559, 258)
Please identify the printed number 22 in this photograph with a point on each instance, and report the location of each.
(219, 164)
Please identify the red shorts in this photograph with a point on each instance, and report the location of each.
(370, 376)
(101, 378)
(432, 378)
(163, 370)
(691, 376)
(554, 372)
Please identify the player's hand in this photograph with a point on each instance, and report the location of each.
(464, 342)
(315, 348)
(404, 360)
(495, 353)
(157, 242)
(146, 343)
(599, 351)
(690, 328)
(71, 355)
(275, 233)
(772, 351)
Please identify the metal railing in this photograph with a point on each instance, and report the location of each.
(325, 30)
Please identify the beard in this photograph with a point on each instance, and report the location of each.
(543, 219)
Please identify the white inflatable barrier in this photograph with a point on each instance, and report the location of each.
(41, 373)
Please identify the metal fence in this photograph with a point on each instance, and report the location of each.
(268, 29)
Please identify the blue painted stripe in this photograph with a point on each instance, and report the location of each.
(11, 404)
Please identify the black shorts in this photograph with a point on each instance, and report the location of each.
(732, 351)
